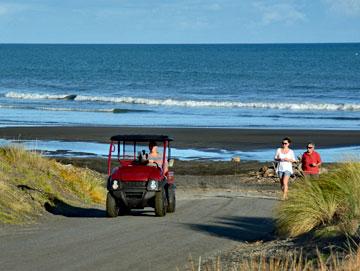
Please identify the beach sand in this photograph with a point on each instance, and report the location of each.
(194, 138)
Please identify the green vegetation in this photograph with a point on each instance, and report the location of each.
(329, 206)
(29, 181)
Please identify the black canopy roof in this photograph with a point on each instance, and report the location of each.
(141, 138)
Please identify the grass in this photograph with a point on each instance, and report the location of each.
(330, 204)
(290, 261)
(28, 181)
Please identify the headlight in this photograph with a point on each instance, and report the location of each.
(153, 185)
(115, 184)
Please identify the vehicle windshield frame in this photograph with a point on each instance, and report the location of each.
(122, 153)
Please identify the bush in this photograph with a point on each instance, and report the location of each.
(29, 181)
(333, 200)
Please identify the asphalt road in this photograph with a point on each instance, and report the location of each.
(86, 240)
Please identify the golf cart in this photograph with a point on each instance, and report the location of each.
(137, 181)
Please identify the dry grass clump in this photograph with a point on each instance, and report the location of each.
(293, 260)
(28, 181)
(331, 203)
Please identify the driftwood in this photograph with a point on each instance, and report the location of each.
(270, 171)
(267, 171)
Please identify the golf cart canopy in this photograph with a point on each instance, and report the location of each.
(140, 138)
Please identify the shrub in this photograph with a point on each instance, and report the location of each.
(332, 200)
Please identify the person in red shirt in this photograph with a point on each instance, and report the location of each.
(311, 161)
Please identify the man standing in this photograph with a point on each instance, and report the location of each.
(311, 161)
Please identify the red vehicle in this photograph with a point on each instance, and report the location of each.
(139, 180)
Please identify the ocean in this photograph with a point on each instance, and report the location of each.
(297, 86)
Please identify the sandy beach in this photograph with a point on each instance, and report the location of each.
(194, 138)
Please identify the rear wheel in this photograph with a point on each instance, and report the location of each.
(171, 199)
(160, 203)
(112, 209)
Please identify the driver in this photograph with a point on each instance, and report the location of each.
(155, 157)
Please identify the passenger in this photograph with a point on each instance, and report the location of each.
(285, 157)
(311, 161)
(156, 158)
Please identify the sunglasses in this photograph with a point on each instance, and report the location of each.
(284, 143)
(310, 147)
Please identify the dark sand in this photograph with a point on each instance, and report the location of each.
(196, 138)
(194, 167)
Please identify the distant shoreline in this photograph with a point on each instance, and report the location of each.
(193, 138)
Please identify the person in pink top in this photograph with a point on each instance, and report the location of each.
(284, 157)
(311, 161)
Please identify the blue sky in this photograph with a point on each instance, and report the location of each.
(179, 21)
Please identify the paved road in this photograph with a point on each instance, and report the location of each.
(200, 226)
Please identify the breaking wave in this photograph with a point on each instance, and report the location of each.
(192, 103)
(37, 96)
(42, 108)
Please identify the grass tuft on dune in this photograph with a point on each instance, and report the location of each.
(330, 205)
(292, 260)
(29, 181)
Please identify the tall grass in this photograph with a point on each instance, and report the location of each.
(289, 261)
(332, 202)
(28, 181)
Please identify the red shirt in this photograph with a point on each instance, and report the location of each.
(308, 159)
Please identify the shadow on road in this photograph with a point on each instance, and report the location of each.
(140, 212)
(65, 209)
(239, 228)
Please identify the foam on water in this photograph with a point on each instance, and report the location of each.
(37, 96)
(192, 103)
(101, 110)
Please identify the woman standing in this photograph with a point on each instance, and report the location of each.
(285, 157)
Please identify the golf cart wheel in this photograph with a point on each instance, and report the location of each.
(160, 203)
(171, 200)
(112, 209)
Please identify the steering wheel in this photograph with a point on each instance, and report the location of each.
(152, 163)
(155, 163)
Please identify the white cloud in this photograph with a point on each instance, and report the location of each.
(283, 12)
(195, 24)
(3, 10)
(8, 9)
(214, 7)
(348, 7)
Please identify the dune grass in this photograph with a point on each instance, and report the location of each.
(293, 260)
(28, 181)
(330, 204)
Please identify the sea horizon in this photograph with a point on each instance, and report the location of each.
(165, 43)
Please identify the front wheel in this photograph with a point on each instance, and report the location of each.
(112, 208)
(160, 203)
(171, 199)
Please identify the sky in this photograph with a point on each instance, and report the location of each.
(179, 21)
